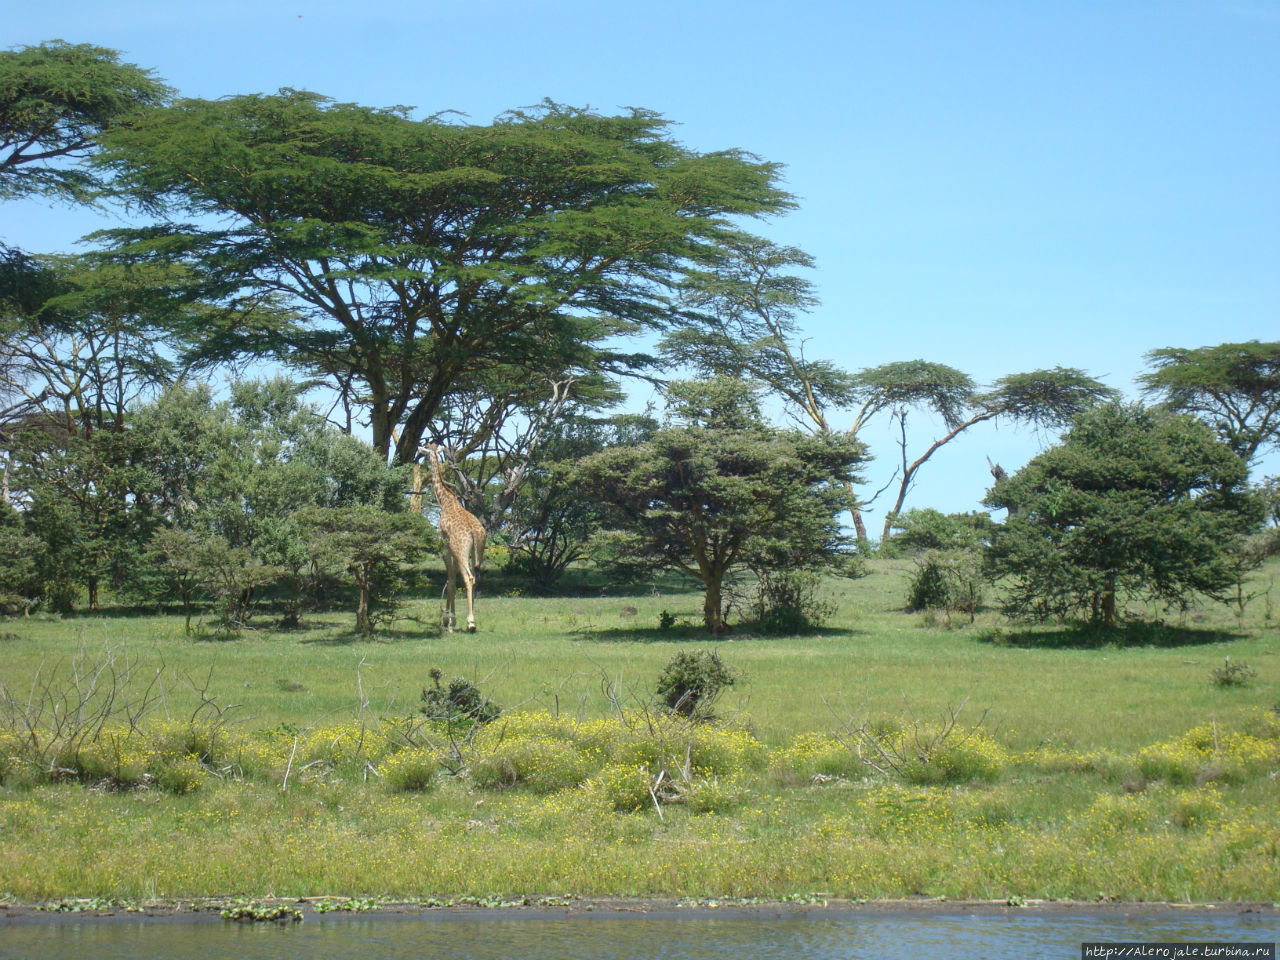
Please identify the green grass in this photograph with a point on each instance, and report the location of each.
(1078, 810)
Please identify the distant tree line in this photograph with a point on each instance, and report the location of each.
(479, 286)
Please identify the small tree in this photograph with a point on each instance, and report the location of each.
(555, 518)
(1133, 503)
(372, 548)
(717, 489)
(20, 553)
(1041, 398)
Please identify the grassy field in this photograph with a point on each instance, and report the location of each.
(1082, 766)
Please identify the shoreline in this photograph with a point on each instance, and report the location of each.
(573, 907)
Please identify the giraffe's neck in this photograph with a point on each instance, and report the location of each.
(444, 496)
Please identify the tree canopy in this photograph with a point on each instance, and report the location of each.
(403, 260)
(56, 99)
(716, 488)
(1041, 398)
(1234, 386)
(1134, 502)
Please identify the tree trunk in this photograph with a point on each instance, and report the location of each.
(93, 592)
(712, 614)
(1109, 619)
(859, 527)
(364, 625)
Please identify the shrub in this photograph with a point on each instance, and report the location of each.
(118, 757)
(712, 795)
(788, 601)
(718, 751)
(929, 529)
(544, 765)
(1196, 808)
(461, 702)
(973, 756)
(948, 580)
(180, 776)
(409, 770)
(622, 786)
(928, 754)
(691, 683)
(1233, 674)
(813, 755)
(1209, 752)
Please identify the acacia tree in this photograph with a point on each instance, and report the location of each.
(1041, 398)
(716, 489)
(56, 99)
(1235, 387)
(743, 310)
(1133, 503)
(408, 256)
(745, 307)
(95, 345)
(373, 548)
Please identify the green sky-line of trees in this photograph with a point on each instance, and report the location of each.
(478, 286)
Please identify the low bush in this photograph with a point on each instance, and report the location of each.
(1210, 752)
(691, 682)
(622, 786)
(180, 776)
(947, 580)
(409, 770)
(459, 703)
(544, 765)
(790, 602)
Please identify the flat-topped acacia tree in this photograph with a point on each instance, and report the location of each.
(1234, 387)
(407, 258)
(718, 489)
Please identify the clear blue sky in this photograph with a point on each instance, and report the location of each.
(999, 186)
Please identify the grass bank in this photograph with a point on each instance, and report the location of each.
(1080, 766)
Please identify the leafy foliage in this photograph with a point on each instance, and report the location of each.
(790, 601)
(691, 683)
(1133, 502)
(948, 580)
(929, 529)
(413, 262)
(461, 701)
(372, 549)
(1235, 387)
(56, 99)
(717, 489)
(1042, 398)
(555, 518)
(745, 308)
(1233, 674)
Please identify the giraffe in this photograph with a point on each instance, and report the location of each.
(463, 537)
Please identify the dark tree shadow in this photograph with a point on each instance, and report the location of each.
(1087, 636)
(687, 633)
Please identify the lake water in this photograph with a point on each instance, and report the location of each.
(672, 935)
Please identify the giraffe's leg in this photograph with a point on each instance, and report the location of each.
(469, 580)
(449, 620)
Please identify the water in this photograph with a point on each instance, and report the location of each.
(814, 935)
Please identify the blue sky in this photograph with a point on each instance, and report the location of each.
(999, 186)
